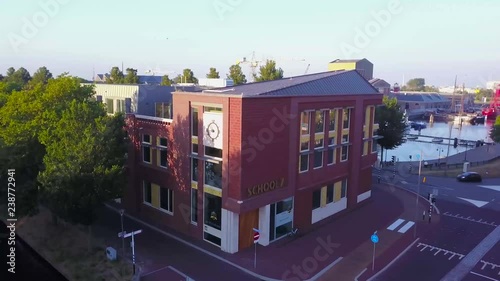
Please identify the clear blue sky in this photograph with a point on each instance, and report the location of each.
(434, 39)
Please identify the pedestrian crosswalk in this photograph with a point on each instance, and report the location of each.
(399, 227)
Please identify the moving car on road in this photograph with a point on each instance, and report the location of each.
(469, 177)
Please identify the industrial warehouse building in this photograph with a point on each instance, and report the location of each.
(272, 155)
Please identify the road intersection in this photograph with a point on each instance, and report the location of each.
(461, 247)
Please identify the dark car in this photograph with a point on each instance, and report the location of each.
(470, 177)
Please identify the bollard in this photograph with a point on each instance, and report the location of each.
(423, 216)
(429, 218)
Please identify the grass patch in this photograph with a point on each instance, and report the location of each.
(65, 246)
(489, 170)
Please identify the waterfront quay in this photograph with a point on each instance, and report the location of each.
(433, 150)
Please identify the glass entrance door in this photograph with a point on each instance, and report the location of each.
(212, 219)
(281, 219)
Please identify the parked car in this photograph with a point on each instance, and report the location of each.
(469, 177)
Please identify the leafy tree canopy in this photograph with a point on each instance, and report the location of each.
(269, 72)
(166, 81)
(392, 125)
(213, 73)
(131, 77)
(236, 74)
(186, 77)
(115, 76)
(42, 75)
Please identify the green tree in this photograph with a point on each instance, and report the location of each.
(1, 77)
(166, 81)
(213, 73)
(495, 130)
(186, 77)
(115, 76)
(20, 76)
(42, 75)
(236, 74)
(392, 125)
(483, 93)
(269, 72)
(415, 84)
(131, 77)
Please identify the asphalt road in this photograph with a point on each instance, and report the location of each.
(468, 213)
(154, 252)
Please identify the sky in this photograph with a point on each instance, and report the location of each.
(432, 39)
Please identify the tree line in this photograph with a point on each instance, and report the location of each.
(267, 72)
(68, 154)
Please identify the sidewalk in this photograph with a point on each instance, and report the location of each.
(341, 245)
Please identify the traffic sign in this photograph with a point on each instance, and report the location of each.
(256, 237)
(374, 238)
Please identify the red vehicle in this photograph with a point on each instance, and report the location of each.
(494, 110)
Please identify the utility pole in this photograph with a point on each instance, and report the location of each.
(418, 192)
(122, 212)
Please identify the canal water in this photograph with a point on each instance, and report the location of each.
(431, 150)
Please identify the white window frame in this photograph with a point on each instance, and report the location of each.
(316, 149)
(331, 147)
(346, 145)
(146, 144)
(160, 149)
(144, 193)
(170, 194)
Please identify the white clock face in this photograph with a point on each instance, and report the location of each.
(213, 130)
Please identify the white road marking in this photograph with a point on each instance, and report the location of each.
(473, 257)
(406, 227)
(458, 216)
(480, 275)
(395, 224)
(476, 203)
(432, 248)
(404, 182)
(494, 187)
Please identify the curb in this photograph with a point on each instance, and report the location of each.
(371, 278)
(264, 278)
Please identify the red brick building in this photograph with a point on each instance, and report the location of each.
(272, 155)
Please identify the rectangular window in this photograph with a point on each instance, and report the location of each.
(163, 110)
(345, 147)
(110, 108)
(344, 189)
(320, 122)
(146, 192)
(194, 205)
(194, 122)
(316, 199)
(212, 109)
(304, 146)
(345, 151)
(162, 152)
(120, 106)
(194, 170)
(213, 152)
(213, 210)
(167, 199)
(213, 174)
(146, 148)
(333, 119)
(195, 148)
(304, 162)
(331, 150)
(318, 153)
(304, 123)
(346, 118)
(329, 193)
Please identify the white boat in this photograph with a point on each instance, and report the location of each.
(437, 140)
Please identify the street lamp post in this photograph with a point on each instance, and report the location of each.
(419, 157)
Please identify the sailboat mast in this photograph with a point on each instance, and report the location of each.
(453, 96)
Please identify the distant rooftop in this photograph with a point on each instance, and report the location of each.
(349, 60)
(318, 84)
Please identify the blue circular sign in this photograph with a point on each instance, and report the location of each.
(374, 238)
